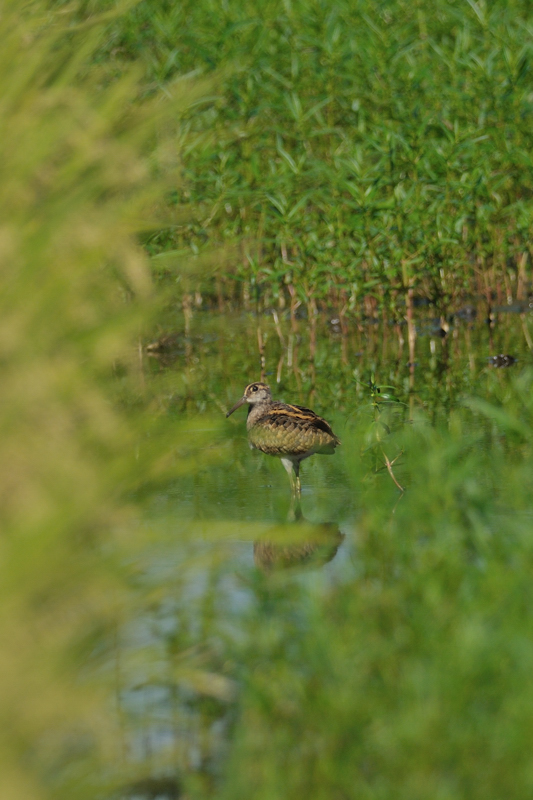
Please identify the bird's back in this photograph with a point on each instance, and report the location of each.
(283, 429)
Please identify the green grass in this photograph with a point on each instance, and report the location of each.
(139, 641)
(349, 150)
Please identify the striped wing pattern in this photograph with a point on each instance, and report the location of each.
(291, 430)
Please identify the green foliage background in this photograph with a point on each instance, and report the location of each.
(350, 149)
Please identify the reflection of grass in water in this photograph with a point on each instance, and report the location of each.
(216, 354)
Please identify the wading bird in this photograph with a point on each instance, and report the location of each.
(289, 432)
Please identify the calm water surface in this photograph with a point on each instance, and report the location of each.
(226, 529)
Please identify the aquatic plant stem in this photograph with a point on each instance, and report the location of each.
(389, 464)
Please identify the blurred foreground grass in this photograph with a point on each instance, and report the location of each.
(78, 177)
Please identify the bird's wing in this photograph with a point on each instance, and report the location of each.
(315, 420)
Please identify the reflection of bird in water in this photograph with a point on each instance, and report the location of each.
(289, 432)
(155, 789)
(315, 552)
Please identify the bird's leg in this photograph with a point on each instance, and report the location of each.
(293, 468)
(298, 485)
(295, 509)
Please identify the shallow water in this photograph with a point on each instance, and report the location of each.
(225, 538)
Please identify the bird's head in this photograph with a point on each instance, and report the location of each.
(254, 393)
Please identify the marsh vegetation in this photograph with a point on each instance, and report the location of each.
(335, 199)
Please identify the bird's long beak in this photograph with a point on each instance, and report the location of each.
(237, 405)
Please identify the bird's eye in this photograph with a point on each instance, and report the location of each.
(254, 388)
